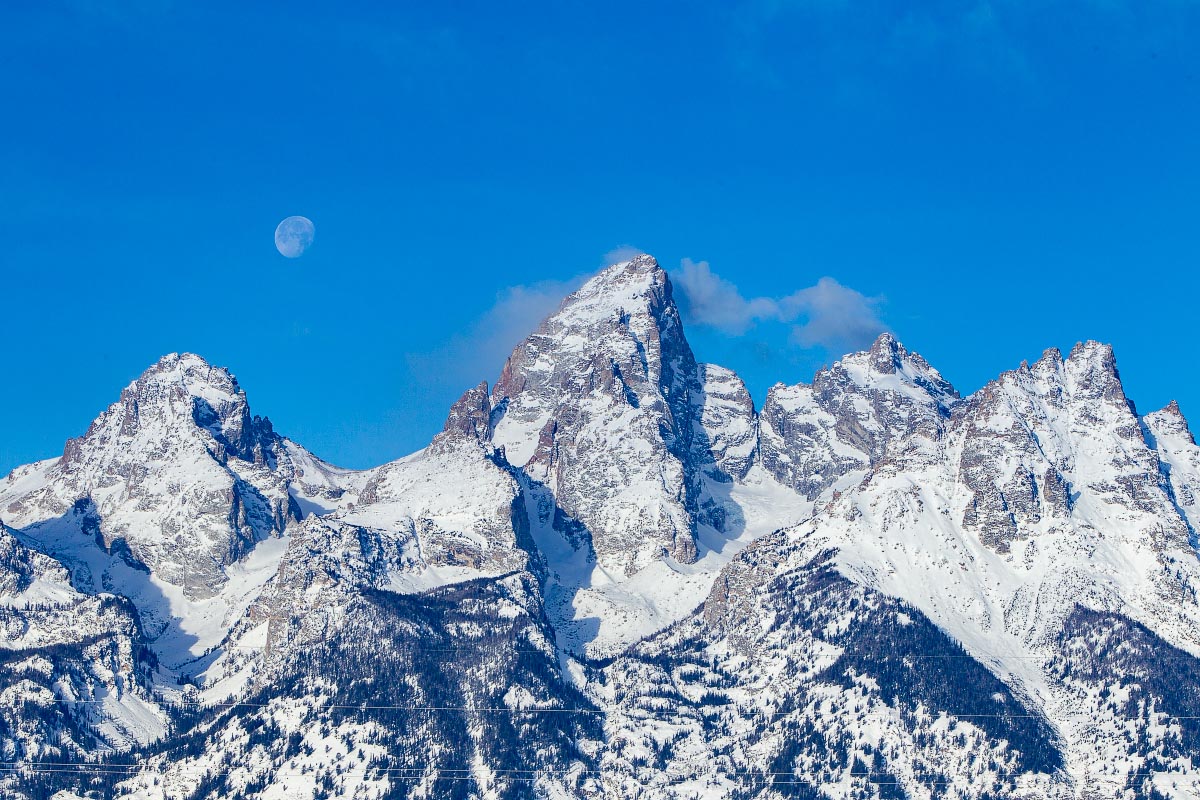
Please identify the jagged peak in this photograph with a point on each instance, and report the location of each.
(215, 392)
(886, 354)
(470, 416)
(886, 342)
(642, 263)
(193, 374)
(1050, 362)
(1051, 354)
(1092, 359)
(183, 389)
(1087, 374)
(1169, 421)
(628, 287)
(186, 360)
(1094, 354)
(641, 270)
(888, 357)
(1091, 369)
(624, 318)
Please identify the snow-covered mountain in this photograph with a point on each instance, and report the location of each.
(610, 576)
(603, 407)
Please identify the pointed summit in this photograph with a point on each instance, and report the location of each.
(469, 418)
(177, 471)
(851, 415)
(1091, 371)
(1092, 360)
(1168, 422)
(619, 335)
(600, 405)
(1092, 349)
(635, 292)
(888, 365)
(887, 354)
(1049, 366)
(643, 268)
(189, 374)
(178, 393)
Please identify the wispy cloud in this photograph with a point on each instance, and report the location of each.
(479, 352)
(711, 300)
(832, 316)
(827, 314)
(621, 253)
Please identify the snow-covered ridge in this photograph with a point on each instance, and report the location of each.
(626, 501)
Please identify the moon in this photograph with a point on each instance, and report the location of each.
(293, 236)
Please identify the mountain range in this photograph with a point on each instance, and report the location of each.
(611, 576)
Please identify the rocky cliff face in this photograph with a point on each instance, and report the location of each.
(171, 508)
(604, 406)
(75, 677)
(872, 588)
(1037, 437)
(1167, 432)
(457, 497)
(177, 472)
(855, 415)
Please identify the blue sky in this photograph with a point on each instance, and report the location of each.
(987, 179)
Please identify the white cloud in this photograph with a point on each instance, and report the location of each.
(520, 309)
(827, 314)
(621, 253)
(834, 316)
(711, 300)
(479, 352)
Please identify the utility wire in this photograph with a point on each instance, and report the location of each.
(637, 713)
(527, 775)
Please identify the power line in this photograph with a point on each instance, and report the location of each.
(523, 775)
(638, 713)
(405, 651)
(365, 707)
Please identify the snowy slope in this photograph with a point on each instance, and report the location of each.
(1179, 460)
(596, 407)
(609, 576)
(635, 461)
(1041, 496)
(56, 643)
(175, 499)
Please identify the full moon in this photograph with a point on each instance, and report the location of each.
(293, 236)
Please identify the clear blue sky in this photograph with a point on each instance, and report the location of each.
(1005, 176)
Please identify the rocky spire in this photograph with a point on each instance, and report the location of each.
(1091, 369)
(1170, 422)
(851, 416)
(469, 417)
(178, 472)
(600, 405)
